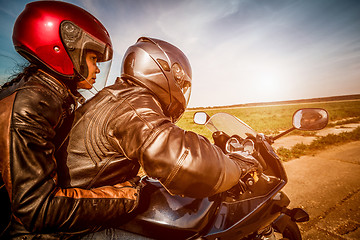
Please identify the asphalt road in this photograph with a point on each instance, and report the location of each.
(327, 186)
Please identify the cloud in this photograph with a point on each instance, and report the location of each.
(240, 49)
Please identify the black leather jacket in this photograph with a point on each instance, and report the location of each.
(36, 115)
(124, 126)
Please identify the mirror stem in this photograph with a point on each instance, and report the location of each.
(283, 133)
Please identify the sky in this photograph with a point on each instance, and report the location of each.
(241, 51)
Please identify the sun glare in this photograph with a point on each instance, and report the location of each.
(268, 83)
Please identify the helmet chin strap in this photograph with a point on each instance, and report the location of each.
(92, 86)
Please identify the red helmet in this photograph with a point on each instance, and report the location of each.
(57, 35)
(162, 68)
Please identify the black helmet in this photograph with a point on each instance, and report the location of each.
(163, 69)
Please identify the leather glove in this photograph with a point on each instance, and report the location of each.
(247, 163)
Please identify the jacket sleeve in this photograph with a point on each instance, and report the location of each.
(37, 201)
(184, 162)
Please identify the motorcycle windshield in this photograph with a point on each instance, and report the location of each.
(229, 124)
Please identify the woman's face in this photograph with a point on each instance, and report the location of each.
(91, 60)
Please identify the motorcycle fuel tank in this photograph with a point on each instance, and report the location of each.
(160, 215)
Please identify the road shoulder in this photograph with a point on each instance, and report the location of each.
(327, 186)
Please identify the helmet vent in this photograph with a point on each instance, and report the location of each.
(164, 64)
(71, 33)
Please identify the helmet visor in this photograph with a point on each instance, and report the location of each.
(79, 44)
(96, 84)
(182, 80)
(186, 88)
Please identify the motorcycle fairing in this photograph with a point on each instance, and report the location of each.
(255, 208)
(243, 218)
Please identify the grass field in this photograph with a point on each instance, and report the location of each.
(275, 118)
(320, 143)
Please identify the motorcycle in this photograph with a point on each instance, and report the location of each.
(256, 208)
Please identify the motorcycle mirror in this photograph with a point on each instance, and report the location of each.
(201, 118)
(310, 119)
